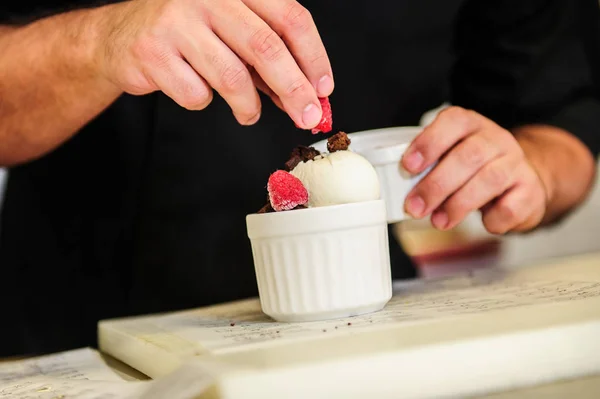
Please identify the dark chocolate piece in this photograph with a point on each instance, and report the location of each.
(266, 209)
(301, 154)
(338, 142)
(292, 162)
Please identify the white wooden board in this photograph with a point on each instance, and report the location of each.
(469, 335)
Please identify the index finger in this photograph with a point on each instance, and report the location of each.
(450, 126)
(295, 25)
(254, 40)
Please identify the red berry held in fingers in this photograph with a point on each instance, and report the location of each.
(326, 123)
(286, 191)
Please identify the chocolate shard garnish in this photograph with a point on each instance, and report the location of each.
(301, 154)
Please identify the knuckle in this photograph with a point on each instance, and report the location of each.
(492, 223)
(137, 82)
(318, 58)
(457, 115)
(249, 113)
(267, 44)
(433, 189)
(508, 212)
(234, 79)
(195, 99)
(250, 118)
(153, 55)
(497, 177)
(297, 87)
(473, 152)
(458, 205)
(297, 17)
(495, 228)
(148, 50)
(421, 144)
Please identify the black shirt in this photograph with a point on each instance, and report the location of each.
(144, 209)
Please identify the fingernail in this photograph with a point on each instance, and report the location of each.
(325, 86)
(415, 205)
(414, 160)
(311, 116)
(440, 219)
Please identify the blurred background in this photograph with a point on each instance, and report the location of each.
(470, 246)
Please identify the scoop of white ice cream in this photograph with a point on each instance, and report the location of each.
(340, 177)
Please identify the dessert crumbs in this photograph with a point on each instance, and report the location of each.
(266, 209)
(338, 142)
(292, 162)
(301, 154)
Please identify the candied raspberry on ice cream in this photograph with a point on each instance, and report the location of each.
(286, 191)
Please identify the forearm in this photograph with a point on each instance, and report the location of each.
(565, 165)
(49, 84)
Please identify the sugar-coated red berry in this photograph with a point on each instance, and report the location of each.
(286, 191)
(326, 123)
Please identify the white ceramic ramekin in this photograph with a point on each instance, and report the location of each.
(322, 263)
(384, 148)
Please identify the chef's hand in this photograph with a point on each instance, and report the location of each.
(481, 167)
(186, 48)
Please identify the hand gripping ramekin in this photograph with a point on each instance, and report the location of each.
(384, 149)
